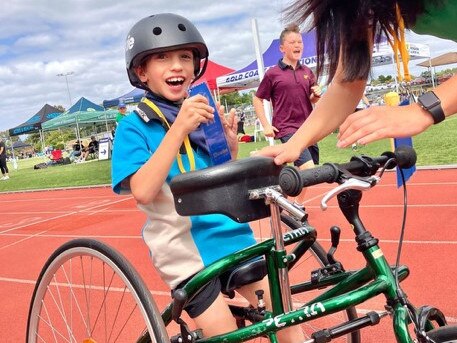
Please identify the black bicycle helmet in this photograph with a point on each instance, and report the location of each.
(163, 32)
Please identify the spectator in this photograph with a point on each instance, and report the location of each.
(241, 120)
(77, 148)
(291, 87)
(3, 166)
(91, 148)
(122, 112)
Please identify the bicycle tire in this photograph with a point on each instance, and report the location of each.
(444, 334)
(88, 292)
(316, 257)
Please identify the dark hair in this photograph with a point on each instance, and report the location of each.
(344, 27)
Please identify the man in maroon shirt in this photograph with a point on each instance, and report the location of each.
(291, 88)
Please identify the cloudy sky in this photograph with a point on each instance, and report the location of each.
(40, 39)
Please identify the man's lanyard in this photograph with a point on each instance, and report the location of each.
(187, 145)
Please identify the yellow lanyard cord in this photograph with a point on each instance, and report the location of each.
(399, 45)
(188, 147)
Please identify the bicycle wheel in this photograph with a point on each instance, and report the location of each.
(444, 334)
(313, 259)
(87, 292)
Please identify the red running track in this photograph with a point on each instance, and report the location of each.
(34, 224)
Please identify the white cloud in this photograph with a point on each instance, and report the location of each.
(42, 38)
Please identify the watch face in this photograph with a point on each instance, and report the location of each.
(429, 100)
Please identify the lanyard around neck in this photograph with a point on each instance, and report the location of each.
(187, 146)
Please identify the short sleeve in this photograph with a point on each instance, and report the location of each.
(130, 153)
(264, 89)
(312, 78)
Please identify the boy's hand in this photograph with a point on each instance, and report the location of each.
(316, 91)
(194, 111)
(230, 125)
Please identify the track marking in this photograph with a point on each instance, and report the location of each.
(74, 236)
(48, 220)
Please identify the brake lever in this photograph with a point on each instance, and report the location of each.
(352, 183)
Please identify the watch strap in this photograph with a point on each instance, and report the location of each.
(434, 109)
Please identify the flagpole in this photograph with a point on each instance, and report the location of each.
(261, 71)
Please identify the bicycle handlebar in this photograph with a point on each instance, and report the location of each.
(292, 180)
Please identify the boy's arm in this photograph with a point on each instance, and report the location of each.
(146, 183)
(268, 129)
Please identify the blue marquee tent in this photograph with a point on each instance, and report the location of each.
(33, 125)
(131, 97)
(83, 105)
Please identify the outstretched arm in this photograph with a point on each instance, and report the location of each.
(378, 122)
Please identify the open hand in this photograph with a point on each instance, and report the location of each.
(230, 125)
(378, 122)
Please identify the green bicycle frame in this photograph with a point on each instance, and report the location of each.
(349, 289)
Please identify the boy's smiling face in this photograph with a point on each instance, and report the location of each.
(168, 74)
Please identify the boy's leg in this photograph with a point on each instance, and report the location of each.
(210, 311)
(217, 319)
(290, 335)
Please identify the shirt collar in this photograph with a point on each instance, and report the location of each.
(284, 66)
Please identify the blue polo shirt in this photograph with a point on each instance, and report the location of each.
(179, 246)
(288, 90)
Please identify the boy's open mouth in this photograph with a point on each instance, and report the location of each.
(175, 81)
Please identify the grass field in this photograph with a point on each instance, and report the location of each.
(436, 146)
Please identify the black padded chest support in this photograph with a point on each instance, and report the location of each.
(224, 189)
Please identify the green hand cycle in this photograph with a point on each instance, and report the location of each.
(88, 292)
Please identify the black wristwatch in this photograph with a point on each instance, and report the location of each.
(432, 104)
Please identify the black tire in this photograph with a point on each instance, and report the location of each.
(314, 258)
(444, 334)
(87, 290)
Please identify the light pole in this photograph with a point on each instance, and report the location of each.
(66, 80)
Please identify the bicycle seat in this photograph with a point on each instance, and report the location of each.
(247, 273)
(224, 189)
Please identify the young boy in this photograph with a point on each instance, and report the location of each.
(163, 54)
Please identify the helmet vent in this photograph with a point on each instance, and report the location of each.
(182, 27)
(157, 31)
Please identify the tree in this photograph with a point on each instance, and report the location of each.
(235, 99)
(52, 138)
(385, 79)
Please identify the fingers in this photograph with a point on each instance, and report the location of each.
(350, 131)
(198, 106)
(278, 152)
(366, 126)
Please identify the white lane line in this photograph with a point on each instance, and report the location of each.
(48, 220)
(77, 236)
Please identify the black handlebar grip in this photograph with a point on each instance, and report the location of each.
(406, 156)
(292, 180)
